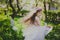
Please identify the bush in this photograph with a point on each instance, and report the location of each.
(53, 16)
(55, 33)
(6, 31)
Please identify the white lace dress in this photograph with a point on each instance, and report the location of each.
(36, 32)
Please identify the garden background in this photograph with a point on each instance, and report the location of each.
(11, 12)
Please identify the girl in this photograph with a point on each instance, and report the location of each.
(34, 31)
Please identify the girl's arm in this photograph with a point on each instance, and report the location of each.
(37, 21)
(48, 29)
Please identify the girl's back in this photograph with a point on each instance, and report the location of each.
(36, 32)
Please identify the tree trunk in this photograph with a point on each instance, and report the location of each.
(13, 10)
(45, 11)
(36, 3)
(49, 6)
(18, 6)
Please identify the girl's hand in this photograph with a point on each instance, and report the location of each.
(49, 26)
(48, 29)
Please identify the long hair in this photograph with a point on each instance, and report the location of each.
(32, 18)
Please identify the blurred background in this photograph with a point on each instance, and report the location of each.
(11, 12)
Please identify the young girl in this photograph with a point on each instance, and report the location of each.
(34, 31)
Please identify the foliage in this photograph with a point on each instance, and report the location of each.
(55, 33)
(53, 16)
(6, 31)
(15, 7)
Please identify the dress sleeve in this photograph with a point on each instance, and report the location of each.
(48, 29)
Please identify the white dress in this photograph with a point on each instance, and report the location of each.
(36, 32)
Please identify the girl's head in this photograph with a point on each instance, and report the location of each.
(38, 11)
(31, 17)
